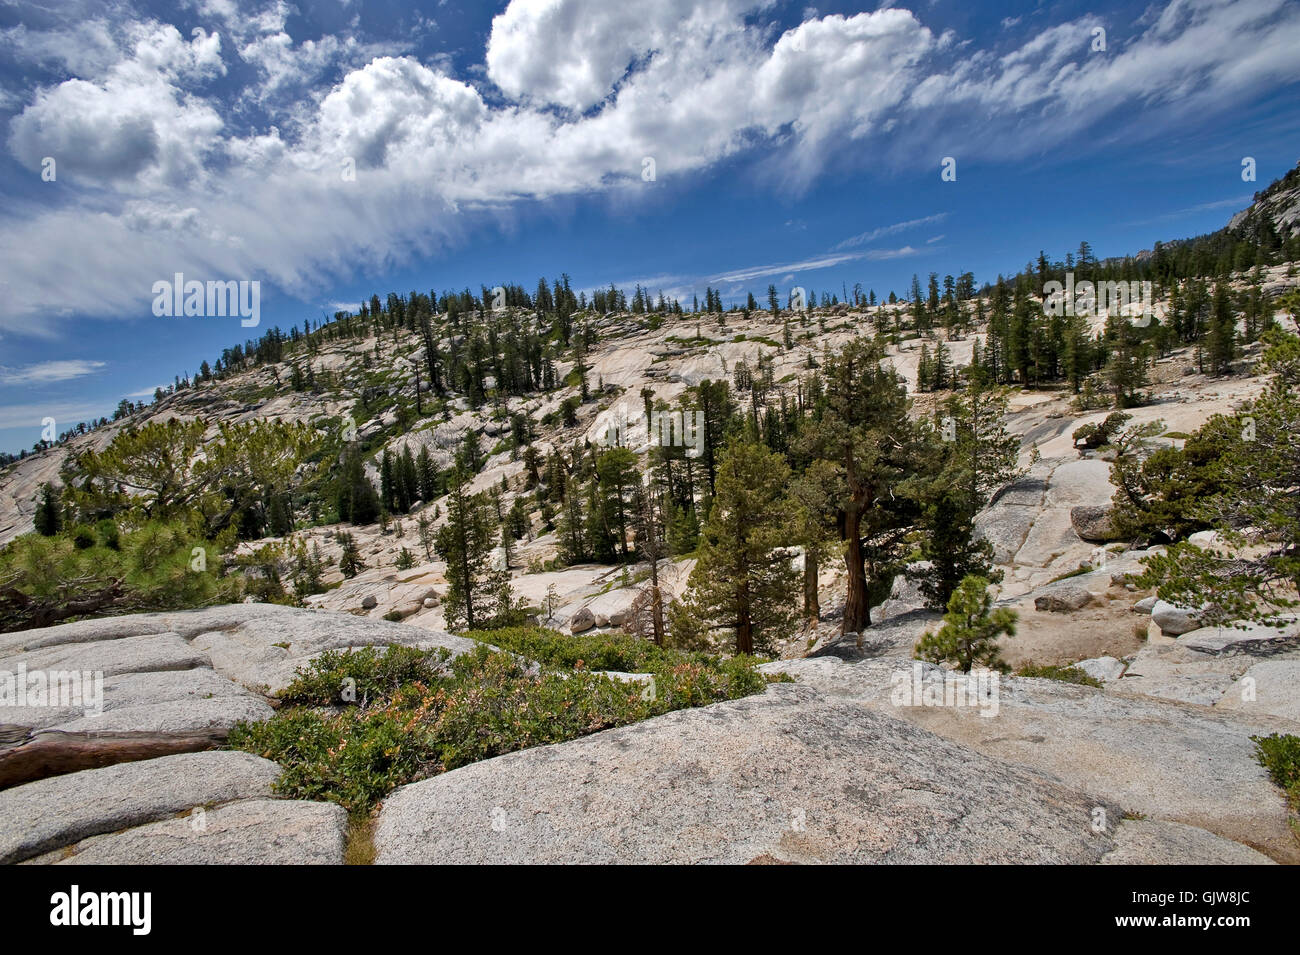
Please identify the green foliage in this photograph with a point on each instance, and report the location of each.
(357, 724)
(45, 580)
(350, 562)
(1255, 573)
(1065, 674)
(477, 594)
(743, 580)
(48, 518)
(1161, 496)
(171, 469)
(1096, 435)
(968, 637)
(1280, 755)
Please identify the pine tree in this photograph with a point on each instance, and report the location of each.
(350, 562)
(861, 429)
(478, 596)
(387, 482)
(424, 528)
(744, 581)
(427, 476)
(1126, 369)
(968, 637)
(1221, 337)
(616, 471)
(653, 547)
(571, 534)
(683, 531)
(813, 511)
(49, 512)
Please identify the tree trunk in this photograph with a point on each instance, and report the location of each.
(812, 610)
(744, 621)
(857, 613)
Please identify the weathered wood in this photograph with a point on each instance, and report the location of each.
(29, 755)
(18, 611)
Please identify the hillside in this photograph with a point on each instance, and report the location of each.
(427, 562)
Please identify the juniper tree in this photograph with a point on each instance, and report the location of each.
(873, 452)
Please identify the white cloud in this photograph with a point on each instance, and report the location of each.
(871, 235)
(174, 182)
(136, 122)
(46, 372)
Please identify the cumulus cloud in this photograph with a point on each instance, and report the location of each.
(390, 158)
(135, 122)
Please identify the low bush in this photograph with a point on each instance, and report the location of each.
(1065, 674)
(356, 724)
(1280, 755)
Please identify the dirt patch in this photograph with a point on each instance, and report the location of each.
(1055, 639)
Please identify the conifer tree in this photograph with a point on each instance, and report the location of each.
(968, 637)
(478, 596)
(873, 453)
(1221, 344)
(49, 512)
(743, 581)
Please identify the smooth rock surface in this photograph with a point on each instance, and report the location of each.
(1147, 842)
(1270, 687)
(788, 775)
(52, 813)
(1166, 760)
(249, 832)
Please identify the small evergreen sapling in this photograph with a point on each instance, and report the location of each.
(968, 637)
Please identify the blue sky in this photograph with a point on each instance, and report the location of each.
(494, 143)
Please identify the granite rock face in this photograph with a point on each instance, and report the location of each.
(53, 813)
(1170, 761)
(789, 775)
(248, 832)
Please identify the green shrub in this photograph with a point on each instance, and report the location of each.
(152, 569)
(356, 724)
(1280, 755)
(1065, 674)
(83, 538)
(109, 534)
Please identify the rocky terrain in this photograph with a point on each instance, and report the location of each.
(829, 769)
(1155, 765)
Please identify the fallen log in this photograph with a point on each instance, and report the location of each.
(28, 755)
